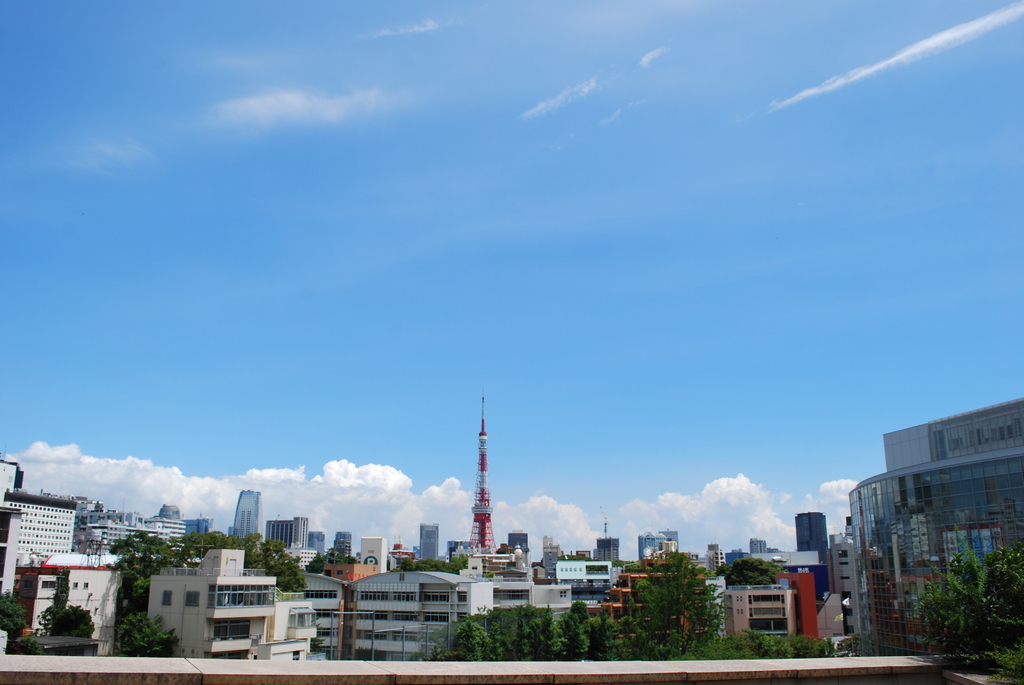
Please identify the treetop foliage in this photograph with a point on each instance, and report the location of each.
(750, 571)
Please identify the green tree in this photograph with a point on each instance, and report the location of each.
(752, 571)
(603, 633)
(73, 621)
(316, 564)
(140, 635)
(674, 610)
(472, 641)
(975, 609)
(188, 550)
(25, 645)
(272, 557)
(139, 557)
(12, 619)
(453, 566)
(574, 636)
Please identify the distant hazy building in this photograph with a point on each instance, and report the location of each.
(428, 540)
(670, 535)
(292, 532)
(343, 543)
(10, 533)
(96, 524)
(648, 543)
(715, 556)
(248, 514)
(520, 539)
(169, 511)
(607, 549)
(758, 546)
(316, 540)
(198, 525)
(457, 548)
(735, 554)
(551, 554)
(812, 534)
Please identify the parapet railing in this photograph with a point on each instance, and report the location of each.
(212, 572)
(48, 670)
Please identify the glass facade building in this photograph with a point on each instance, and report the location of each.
(948, 484)
(248, 514)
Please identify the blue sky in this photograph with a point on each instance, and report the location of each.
(258, 238)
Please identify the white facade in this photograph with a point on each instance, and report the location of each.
(304, 554)
(10, 531)
(327, 597)
(223, 610)
(790, 558)
(401, 612)
(47, 525)
(374, 551)
(93, 523)
(93, 589)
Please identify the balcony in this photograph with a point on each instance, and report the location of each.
(212, 572)
(230, 644)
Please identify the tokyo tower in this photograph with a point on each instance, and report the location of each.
(482, 537)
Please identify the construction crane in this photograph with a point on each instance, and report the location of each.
(605, 521)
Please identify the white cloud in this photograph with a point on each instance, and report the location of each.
(422, 27)
(613, 117)
(377, 499)
(105, 156)
(730, 511)
(284, 106)
(944, 40)
(562, 99)
(646, 60)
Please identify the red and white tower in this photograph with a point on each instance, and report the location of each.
(482, 537)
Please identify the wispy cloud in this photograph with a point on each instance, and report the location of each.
(944, 40)
(105, 156)
(613, 117)
(422, 27)
(296, 106)
(646, 60)
(561, 100)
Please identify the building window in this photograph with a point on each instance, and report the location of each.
(321, 594)
(74, 586)
(405, 596)
(373, 596)
(48, 584)
(435, 617)
(241, 596)
(192, 598)
(405, 616)
(232, 629)
(380, 615)
(429, 596)
(167, 598)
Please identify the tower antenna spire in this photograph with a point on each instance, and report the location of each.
(481, 539)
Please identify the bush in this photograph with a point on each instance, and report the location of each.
(1010, 663)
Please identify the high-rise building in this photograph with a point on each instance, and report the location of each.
(428, 540)
(758, 546)
(812, 534)
(518, 538)
(343, 543)
(248, 514)
(551, 554)
(292, 532)
(607, 549)
(648, 543)
(670, 535)
(47, 524)
(949, 484)
(198, 525)
(316, 540)
(715, 557)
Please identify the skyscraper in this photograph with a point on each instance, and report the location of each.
(292, 532)
(428, 540)
(316, 540)
(343, 543)
(248, 514)
(198, 525)
(758, 546)
(520, 539)
(812, 534)
(607, 549)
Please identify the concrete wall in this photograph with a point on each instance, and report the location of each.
(43, 670)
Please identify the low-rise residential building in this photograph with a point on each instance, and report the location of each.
(397, 614)
(768, 609)
(222, 610)
(93, 583)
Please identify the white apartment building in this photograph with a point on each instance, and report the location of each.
(223, 610)
(92, 585)
(93, 522)
(398, 614)
(47, 525)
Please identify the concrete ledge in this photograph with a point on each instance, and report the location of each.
(72, 670)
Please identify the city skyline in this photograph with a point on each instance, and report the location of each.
(701, 256)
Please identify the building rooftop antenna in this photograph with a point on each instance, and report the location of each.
(605, 521)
